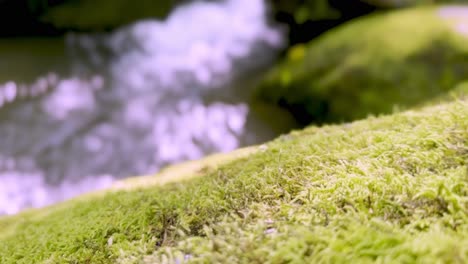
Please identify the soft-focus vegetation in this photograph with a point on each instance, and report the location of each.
(39, 18)
(306, 10)
(369, 66)
(105, 14)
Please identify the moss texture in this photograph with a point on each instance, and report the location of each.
(372, 64)
(392, 189)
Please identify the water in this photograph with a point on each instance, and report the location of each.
(458, 16)
(78, 113)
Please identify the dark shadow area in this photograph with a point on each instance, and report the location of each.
(29, 18)
(22, 18)
(310, 29)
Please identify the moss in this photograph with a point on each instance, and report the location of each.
(387, 189)
(104, 14)
(370, 65)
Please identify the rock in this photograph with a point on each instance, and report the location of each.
(372, 65)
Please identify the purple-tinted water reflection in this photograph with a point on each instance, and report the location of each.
(128, 103)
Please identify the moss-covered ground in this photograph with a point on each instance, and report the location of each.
(390, 189)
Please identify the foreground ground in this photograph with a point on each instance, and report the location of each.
(385, 189)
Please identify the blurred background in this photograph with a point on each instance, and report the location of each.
(92, 91)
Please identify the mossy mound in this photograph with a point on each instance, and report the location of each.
(387, 189)
(372, 64)
(98, 15)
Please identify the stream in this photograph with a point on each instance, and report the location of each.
(82, 111)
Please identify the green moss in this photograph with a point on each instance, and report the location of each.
(371, 65)
(105, 14)
(388, 189)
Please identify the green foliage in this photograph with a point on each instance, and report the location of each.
(371, 65)
(388, 189)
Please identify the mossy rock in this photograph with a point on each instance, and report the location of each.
(98, 15)
(372, 65)
(392, 189)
